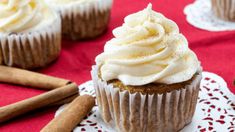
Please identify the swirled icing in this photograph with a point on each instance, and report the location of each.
(24, 15)
(147, 48)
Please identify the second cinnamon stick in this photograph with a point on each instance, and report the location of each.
(45, 99)
(65, 101)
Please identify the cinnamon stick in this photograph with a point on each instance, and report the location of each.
(72, 115)
(31, 79)
(45, 99)
(65, 101)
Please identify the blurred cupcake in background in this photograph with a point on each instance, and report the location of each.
(82, 19)
(224, 9)
(30, 33)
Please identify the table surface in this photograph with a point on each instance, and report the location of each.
(215, 50)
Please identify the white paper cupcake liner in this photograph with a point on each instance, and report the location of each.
(224, 9)
(84, 20)
(33, 49)
(146, 113)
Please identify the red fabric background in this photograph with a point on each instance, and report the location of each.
(215, 50)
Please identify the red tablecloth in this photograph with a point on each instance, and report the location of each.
(215, 50)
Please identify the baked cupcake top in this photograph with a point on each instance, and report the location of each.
(147, 48)
(24, 15)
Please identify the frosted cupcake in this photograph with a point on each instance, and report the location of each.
(224, 9)
(82, 19)
(30, 34)
(147, 79)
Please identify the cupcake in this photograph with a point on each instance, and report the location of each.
(82, 19)
(30, 34)
(147, 79)
(224, 9)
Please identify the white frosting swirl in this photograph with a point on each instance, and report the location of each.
(24, 15)
(147, 48)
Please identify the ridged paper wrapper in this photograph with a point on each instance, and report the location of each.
(32, 49)
(137, 112)
(224, 9)
(84, 20)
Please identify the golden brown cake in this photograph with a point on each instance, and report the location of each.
(30, 34)
(147, 79)
(152, 88)
(224, 9)
(82, 19)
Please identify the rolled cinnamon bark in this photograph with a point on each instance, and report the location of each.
(71, 116)
(65, 101)
(31, 79)
(22, 107)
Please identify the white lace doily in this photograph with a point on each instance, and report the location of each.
(199, 14)
(215, 109)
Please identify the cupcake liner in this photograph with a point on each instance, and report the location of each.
(33, 49)
(136, 112)
(224, 9)
(84, 20)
